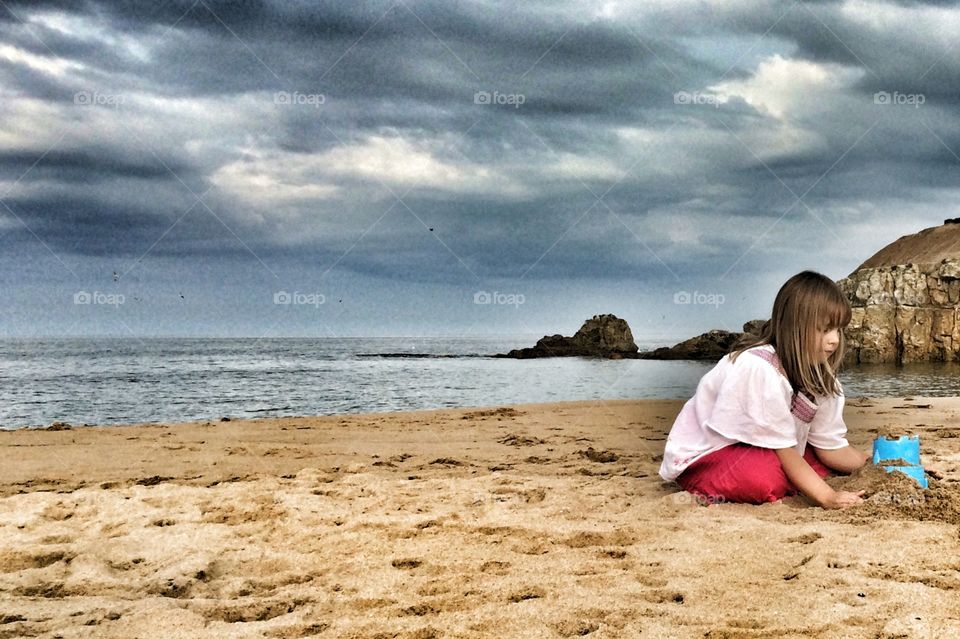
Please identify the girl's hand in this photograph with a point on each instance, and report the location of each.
(843, 499)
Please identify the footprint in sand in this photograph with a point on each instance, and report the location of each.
(124, 565)
(576, 627)
(447, 461)
(531, 592)
(533, 495)
(46, 590)
(599, 456)
(808, 538)
(520, 440)
(17, 561)
(591, 538)
(495, 567)
(419, 610)
(664, 596)
(245, 613)
(162, 523)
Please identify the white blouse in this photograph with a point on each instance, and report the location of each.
(750, 401)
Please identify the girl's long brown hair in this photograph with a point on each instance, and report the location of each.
(808, 301)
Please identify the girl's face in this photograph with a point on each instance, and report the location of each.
(828, 340)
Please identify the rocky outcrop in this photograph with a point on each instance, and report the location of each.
(710, 346)
(600, 336)
(905, 312)
(906, 300)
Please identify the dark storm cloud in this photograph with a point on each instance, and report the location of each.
(85, 225)
(508, 191)
(904, 56)
(82, 165)
(279, 49)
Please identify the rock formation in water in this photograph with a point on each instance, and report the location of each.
(600, 336)
(711, 345)
(906, 300)
(609, 336)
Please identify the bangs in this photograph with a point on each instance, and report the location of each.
(835, 313)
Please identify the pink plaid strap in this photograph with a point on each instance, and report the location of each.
(769, 356)
(802, 407)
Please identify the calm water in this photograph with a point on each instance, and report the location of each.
(124, 380)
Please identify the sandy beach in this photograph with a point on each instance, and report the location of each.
(545, 520)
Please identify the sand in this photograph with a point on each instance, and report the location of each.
(526, 521)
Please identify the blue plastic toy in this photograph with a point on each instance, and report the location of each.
(906, 448)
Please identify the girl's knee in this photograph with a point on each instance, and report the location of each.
(766, 488)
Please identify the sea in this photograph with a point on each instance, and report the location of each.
(114, 381)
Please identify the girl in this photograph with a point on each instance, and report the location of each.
(767, 420)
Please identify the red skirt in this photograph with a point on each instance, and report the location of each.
(743, 473)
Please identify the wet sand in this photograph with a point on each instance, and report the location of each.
(541, 520)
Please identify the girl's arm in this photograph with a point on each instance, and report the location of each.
(844, 460)
(810, 483)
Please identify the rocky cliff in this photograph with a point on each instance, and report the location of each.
(906, 300)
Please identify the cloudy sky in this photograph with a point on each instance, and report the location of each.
(203, 167)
